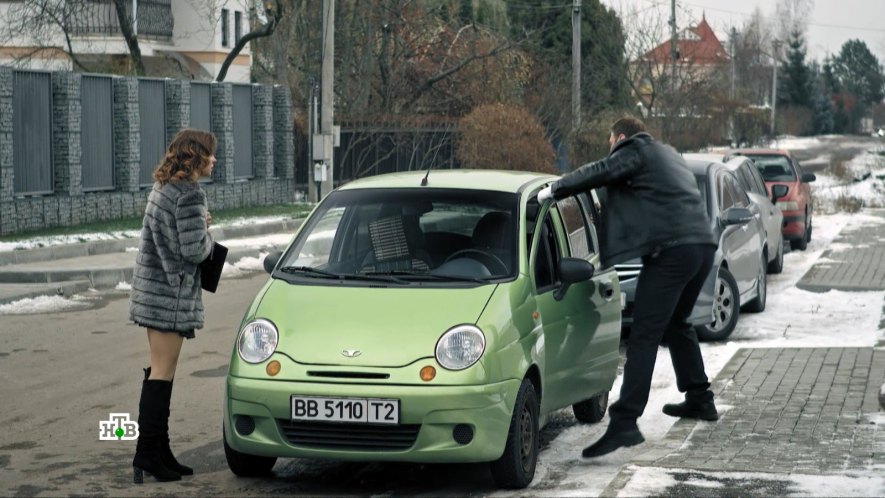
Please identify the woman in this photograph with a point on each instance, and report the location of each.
(166, 293)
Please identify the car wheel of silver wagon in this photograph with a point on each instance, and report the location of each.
(591, 410)
(516, 467)
(758, 303)
(776, 265)
(726, 308)
(245, 465)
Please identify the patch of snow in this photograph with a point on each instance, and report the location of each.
(44, 304)
(55, 240)
(125, 286)
(277, 239)
(244, 266)
(794, 143)
(868, 170)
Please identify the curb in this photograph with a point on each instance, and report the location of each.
(94, 248)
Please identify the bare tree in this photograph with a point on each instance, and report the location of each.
(126, 28)
(272, 15)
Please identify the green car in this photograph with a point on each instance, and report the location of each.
(426, 318)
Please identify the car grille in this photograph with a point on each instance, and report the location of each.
(350, 436)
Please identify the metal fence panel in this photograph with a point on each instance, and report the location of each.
(32, 132)
(201, 103)
(152, 117)
(242, 114)
(97, 132)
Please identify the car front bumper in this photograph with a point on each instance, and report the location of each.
(429, 414)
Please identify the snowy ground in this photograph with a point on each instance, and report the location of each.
(864, 181)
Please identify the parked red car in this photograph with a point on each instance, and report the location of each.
(779, 167)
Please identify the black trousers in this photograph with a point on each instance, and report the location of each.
(668, 287)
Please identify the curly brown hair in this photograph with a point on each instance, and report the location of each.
(187, 157)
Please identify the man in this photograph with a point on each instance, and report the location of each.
(653, 209)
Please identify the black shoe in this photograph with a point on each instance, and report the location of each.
(165, 451)
(612, 440)
(152, 413)
(702, 410)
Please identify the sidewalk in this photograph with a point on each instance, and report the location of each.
(792, 420)
(74, 268)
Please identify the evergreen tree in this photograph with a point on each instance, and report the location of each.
(795, 82)
(859, 75)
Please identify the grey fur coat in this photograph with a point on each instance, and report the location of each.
(166, 292)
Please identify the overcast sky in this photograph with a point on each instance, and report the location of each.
(832, 22)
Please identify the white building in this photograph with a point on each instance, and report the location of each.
(186, 39)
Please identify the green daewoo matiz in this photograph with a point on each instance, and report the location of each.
(434, 318)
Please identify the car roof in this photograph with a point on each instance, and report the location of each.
(760, 152)
(472, 179)
(700, 164)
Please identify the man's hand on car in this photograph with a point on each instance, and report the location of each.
(545, 194)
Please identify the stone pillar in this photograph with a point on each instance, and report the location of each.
(66, 146)
(178, 107)
(7, 173)
(222, 125)
(283, 134)
(262, 131)
(127, 134)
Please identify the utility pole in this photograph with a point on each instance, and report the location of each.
(322, 144)
(776, 46)
(674, 56)
(732, 94)
(576, 65)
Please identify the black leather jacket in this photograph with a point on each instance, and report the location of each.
(652, 201)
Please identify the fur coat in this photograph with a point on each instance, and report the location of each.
(166, 292)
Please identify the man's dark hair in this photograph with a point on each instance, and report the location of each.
(628, 126)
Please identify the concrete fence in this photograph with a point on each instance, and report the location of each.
(45, 153)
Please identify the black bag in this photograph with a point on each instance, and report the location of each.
(210, 268)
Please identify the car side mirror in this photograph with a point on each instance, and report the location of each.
(736, 216)
(778, 192)
(271, 260)
(572, 271)
(808, 177)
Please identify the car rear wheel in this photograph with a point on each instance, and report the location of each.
(726, 308)
(758, 303)
(776, 265)
(516, 467)
(802, 244)
(591, 410)
(245, 465)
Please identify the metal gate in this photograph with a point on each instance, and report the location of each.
(152, 117)
(97, 132)
(242, 114)
(32, 132)
(201, 103)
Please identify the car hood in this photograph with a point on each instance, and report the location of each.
(389, 327)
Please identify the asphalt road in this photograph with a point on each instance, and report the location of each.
(62, 373)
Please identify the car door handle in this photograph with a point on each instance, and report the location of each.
(608, 290)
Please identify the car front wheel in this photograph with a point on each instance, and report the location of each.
(516, 467)
(726, 308)
(245, 465)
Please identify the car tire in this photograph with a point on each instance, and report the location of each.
(591, 410)
(516, 467)
(802, 244)
(776, 265)
(726, 308)
(757, 304)
(245, 465)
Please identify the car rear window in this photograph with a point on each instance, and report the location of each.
(774, 168)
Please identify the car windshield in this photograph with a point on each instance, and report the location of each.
(774, 168)
(405, 236)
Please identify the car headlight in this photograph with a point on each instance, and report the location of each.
(258, 340)
(460, 347)
(788, 205)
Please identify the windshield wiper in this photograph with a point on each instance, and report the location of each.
(310, 271)
(433, 276)
(316, 272)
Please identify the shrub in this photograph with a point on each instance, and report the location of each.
(498, 136)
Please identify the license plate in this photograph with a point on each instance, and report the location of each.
(359, 410)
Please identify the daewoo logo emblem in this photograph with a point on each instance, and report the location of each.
(351, 353)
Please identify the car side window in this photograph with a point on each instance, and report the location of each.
(547, 257)
(726, 197)
(577, 231)
(757, 179)
(591, 209)
(737, 193)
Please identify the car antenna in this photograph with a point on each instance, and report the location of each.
(424, 180)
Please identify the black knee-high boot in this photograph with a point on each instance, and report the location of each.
(165, 451)
(152, 413)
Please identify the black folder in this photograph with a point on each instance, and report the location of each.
(210, 268)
